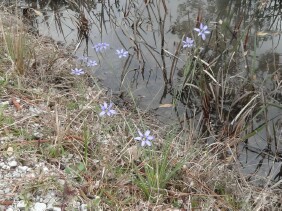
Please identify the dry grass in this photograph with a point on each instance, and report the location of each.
(54, 118)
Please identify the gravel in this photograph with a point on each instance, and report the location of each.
(14, 175)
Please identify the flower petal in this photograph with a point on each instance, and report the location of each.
(197, 30)
(150, 138)
(140, 134)
(138, 138)
(113, 112)
(105, 105)
(110, 105)
(201, 26)
(147, 133)
(143, 143)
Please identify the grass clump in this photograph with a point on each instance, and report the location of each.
(157, 169)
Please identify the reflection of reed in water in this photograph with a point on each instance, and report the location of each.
(82, 26)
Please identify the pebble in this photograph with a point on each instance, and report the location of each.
(21, 204)
(83, 207)
(23, 169)
(12, 170)
(12, 163)
(7, 190)
(16, 174)
(39, 207)
(6, 167)
(45, 169)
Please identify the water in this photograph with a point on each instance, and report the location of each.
(152, 30)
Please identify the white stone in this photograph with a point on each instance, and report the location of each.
(9, 175)
(9, 209)
(13, 163)
(39, 207)
(2, 164)
(16, 174)
(83, 207)
(23, 169)
(21, 204)
(57, 209)
(7, 190)
(45, 169)
(6, 167)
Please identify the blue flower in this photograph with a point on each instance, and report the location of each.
(122, 53)
(77, 71)
(107, 109)
(91, 63)
(188, 42)
(100, 46)
(202, 31)
(145, 138)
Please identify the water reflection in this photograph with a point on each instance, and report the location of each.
(244, 33)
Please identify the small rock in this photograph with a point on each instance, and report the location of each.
(7, 190)
(83, 207)
(5, 102)
(21, 204)
(13, 163)
(57, 209)
(9, 209)
(45, 169)
(39, 206)
(23, 169)
(37, 134)
(6, 167)
(16, 174)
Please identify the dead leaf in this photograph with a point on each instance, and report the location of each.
(16, 104)
(38, 13)
(168, 105)
(262, 34)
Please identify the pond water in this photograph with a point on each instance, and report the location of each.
(152, 32)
